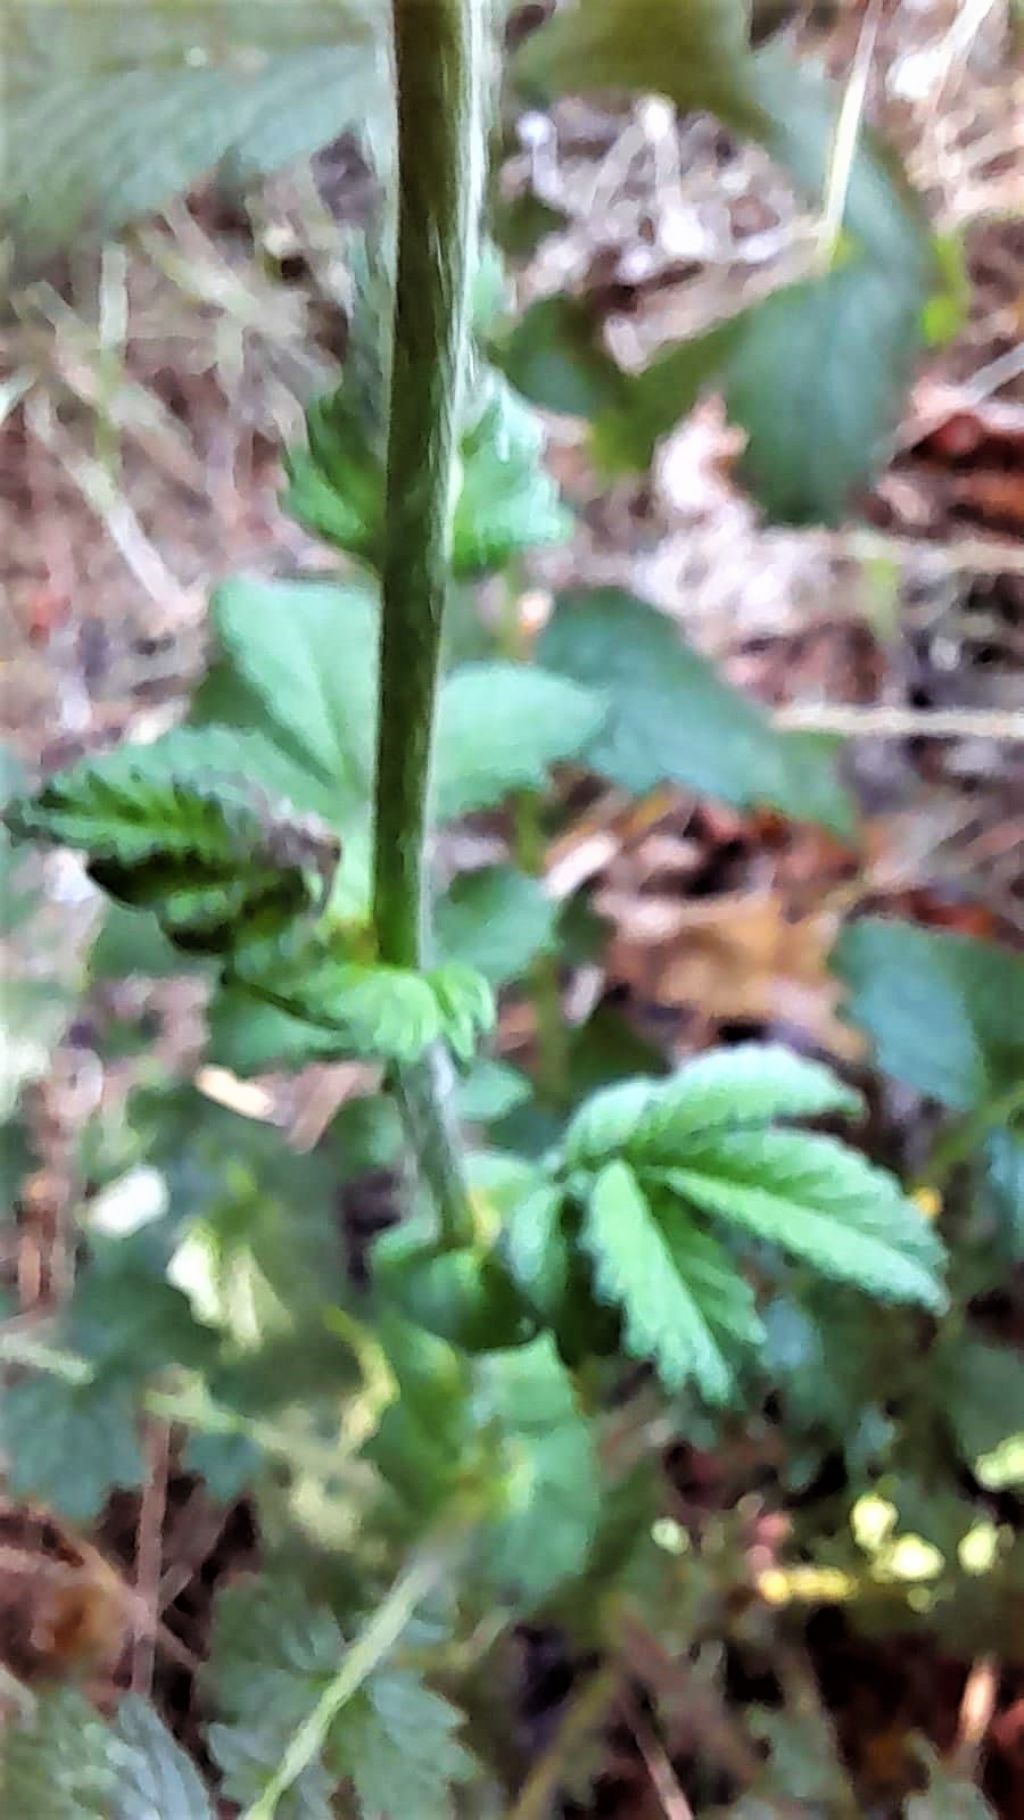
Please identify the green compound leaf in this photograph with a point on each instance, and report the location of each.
(550, 1478)
(496, 920)
(56, 1763)
(181, 828)
(944, 1012)
(635, 1269)
(537, 1250)
(670, 718)
(398, 1749)
(646, 1155)
(466, 1006)
(607, 1121)
(69, 1445)
(157, 1781)
(272, 1656)
(111, 115)
(818, 1201)
(748, 1085)
(388, 1012)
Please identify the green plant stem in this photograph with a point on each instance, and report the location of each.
(439, 55)
(965, 1138)
(374, 1642)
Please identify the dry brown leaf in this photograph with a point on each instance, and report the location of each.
(741, 956)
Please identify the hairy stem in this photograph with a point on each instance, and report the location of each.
(439, 66)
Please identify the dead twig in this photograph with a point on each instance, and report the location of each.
(657, 1763)
(884, 722)
(149, 1555)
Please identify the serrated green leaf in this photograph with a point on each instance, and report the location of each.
(605, 1123)
(466, 1006)
(501, 726)
(670, 718)
(398, 1749)
(883, 215)
(723, 1296)
(550, 1477)
(156, 1780)
(819, 1201)
(69, 1445)
(179, 827)
(56, 1763)
(815, 375)
(273, 1654)
(108, 122)
(945, 1012)
(374, 1011)
(496, 920)
(635, 1269)
(750, 1084)
(389, 1012)
(536, 1248)
(506, 503)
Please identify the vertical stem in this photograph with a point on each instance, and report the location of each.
(439, 67)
